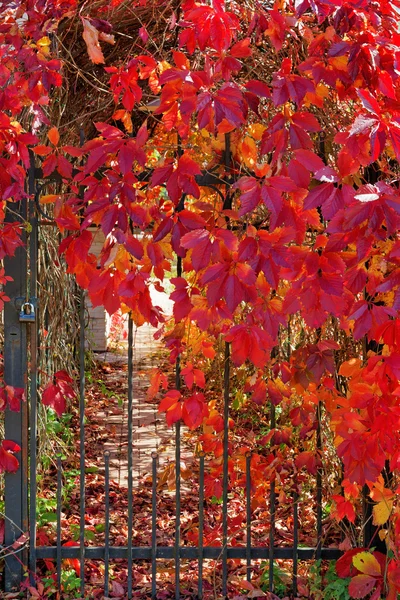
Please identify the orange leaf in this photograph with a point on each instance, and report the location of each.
(172, 406)
(350, 367)
(246, 585)
(54, 136)
(125, 117)
(48, 199)
(91, 37)
(42, 150)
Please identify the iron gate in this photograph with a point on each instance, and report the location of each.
(20, 357)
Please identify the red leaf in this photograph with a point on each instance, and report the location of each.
(64, 167)
(250, 196)
(53, 397)
(369, 102)
(191, 220)
(49, 165)
(14, 397)
(259, 88)
(241, 49)
(319, 195)
(172, 406)
(133, 246)
(309, 460)
(199, 240)
(56, 393)
(309, 160)
(117, 590)
(72, 562)
(163, 229)
(126, 157)
(194, 410)
(361, 585)
(143, 34)
(344, 564)
(8, 462)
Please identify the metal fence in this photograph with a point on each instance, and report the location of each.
(20, 357)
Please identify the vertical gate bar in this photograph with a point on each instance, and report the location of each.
(271, 537)
(366, 517)
(82, 441)
(107, 523)
(319, 484)
(225, 458)
(130, 451)
(33, 330)
(15, 425)
(295, 538)
(272, 501)
(177, 468)
(177, 505)
(58, 542)
(248, 517)
(201, 526)
(154, 526)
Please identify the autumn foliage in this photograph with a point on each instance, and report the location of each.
(292, 256)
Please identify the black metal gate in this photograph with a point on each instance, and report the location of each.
(20, 355)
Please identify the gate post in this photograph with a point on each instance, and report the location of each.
(15, 361)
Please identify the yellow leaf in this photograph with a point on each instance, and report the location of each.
(382, 534)
(256, 130)
(44, 45)
(366, 563)
(384, 502)
(163, 66)
(48, 199)
(44, 41)
(381, 512)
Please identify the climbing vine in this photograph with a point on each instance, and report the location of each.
(291, 254)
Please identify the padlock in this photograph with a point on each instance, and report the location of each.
(27, 313)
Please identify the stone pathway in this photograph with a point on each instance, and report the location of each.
(150, 431)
